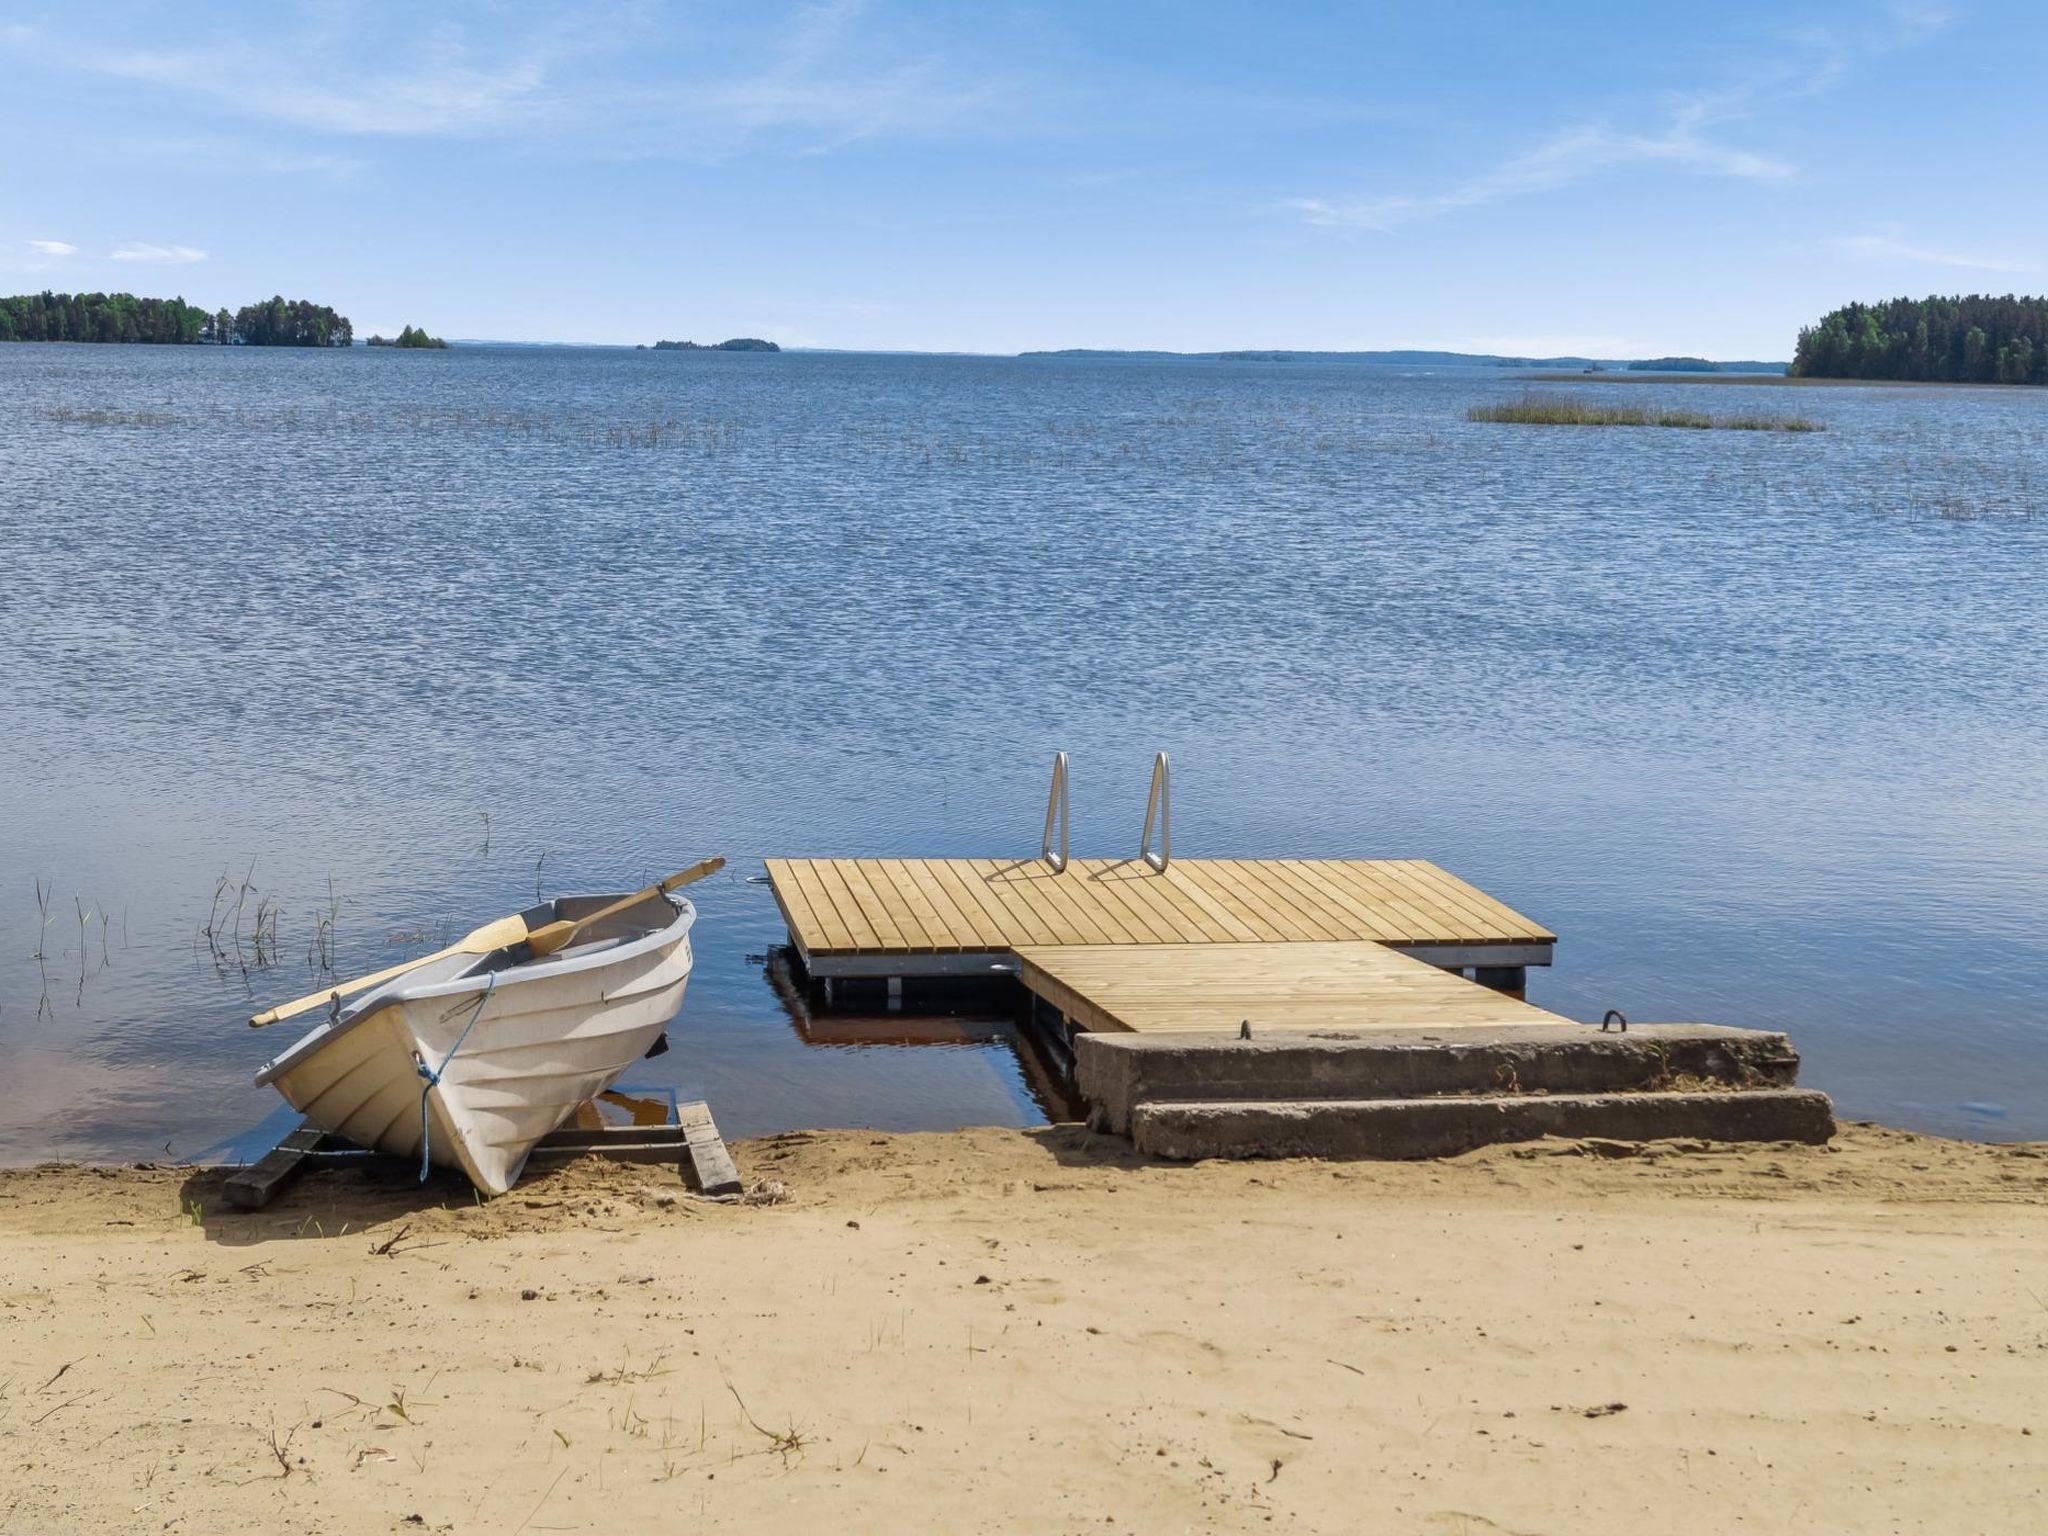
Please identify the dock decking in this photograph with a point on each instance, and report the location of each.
(1213, 988)
(940, 917)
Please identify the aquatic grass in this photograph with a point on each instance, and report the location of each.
(69, 415)
(320, 948)
(708, 435)
(43, 894)
(1547, 410)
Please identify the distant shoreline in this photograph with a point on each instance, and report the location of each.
(1407, 357)
(1759, 378)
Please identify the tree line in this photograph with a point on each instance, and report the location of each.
(119, 317)
(1962, 339)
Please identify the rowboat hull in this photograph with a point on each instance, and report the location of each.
(481, 1059)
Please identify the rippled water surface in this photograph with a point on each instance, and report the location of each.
(1754, 721)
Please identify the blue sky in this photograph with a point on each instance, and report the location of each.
(1613, 178)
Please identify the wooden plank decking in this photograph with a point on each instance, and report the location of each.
(1215, 987)
(874, 916)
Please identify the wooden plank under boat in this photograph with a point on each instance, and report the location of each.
(483, 1055)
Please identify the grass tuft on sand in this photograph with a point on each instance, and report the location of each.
(1547, 410)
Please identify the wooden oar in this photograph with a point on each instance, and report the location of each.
(500, 934)
(549, 937)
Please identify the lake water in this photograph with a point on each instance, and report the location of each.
(1756, 722)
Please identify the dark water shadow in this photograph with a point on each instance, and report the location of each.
(938, 1012)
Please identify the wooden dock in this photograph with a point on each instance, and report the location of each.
(1197, 945)
(961, 917)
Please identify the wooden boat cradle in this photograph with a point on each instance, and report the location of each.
(690, 1139)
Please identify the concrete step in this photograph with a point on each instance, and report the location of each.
(1117, 1072)
(1443, 1127)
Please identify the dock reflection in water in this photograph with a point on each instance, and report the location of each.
(981, 1016)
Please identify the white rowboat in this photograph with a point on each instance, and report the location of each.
(483, 1055)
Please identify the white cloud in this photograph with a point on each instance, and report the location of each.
(1803, 65)
(141, 250)
(53, 247)
(1557, 162)
(1886, 248)
(809, 77)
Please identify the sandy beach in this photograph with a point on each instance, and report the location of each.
(996, 1331)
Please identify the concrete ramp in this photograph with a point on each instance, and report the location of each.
(1404, 1093)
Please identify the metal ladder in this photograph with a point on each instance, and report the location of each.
(1158, 814)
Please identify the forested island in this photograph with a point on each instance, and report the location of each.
(1673, 365)
(1966, 339)
(737, 344)
(122, 317)
(411, 336)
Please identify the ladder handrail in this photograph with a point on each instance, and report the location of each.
(1160, 804)
(1056, 810)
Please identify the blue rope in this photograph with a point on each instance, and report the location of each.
(430, 1077)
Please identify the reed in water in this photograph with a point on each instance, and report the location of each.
(1547, 410)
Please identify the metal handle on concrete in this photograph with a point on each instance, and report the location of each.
(1159, 806)
(1056, 811)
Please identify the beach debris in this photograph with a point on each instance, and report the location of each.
(282, 1449)
(1596, 1412)
(784, 1443)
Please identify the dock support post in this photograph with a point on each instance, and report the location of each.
(1511, 979)
(895, 994)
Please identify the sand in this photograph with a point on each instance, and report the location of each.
(1005, 1331)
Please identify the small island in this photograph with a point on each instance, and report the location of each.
(411, 336)
(1674, 365)
(737, 344)
(1962, 339)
